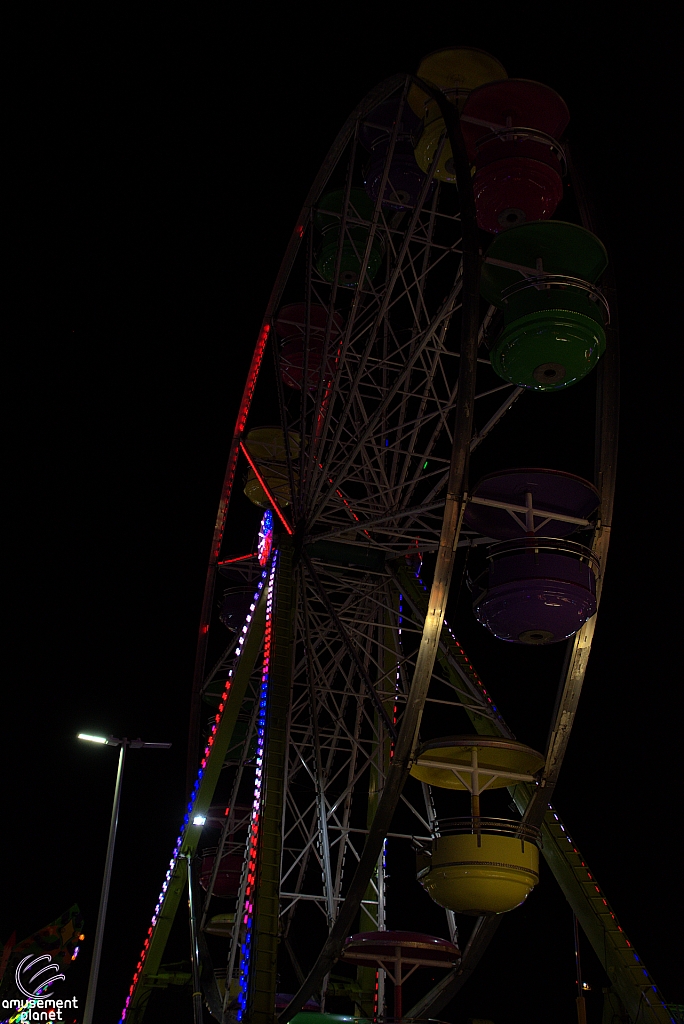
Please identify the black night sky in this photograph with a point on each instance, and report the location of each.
(161, 164)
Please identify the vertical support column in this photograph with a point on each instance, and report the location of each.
(267, 896)
(475, 795)
(581, 1005)
(324, 838)
(398, 1001)
(370, 1000)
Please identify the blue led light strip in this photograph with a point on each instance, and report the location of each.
(255, 822)
(173, 863)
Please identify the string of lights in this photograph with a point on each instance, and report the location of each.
(178, 850)
(649, 985)
(582, 868)
(253, 840)
(239, 430)
(466, 663)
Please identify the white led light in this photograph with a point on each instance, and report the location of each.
(92, 739)
(199, 819)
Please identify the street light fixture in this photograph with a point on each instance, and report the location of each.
(110, 741)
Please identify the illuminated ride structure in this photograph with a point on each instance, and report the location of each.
(346, 716)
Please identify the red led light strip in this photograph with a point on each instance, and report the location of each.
(220, 526)
(340, 495)
(240, 424)
(177, 852)
(253, 843)
(583, 869)
(267, 490)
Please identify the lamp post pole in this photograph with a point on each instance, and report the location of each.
(102, 912)
(196, 986)
(111, 741)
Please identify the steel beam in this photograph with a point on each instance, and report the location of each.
(263, 971)
(453, 514)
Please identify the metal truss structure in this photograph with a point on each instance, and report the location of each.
(344, 647)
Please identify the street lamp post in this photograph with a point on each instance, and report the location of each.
(111, 741)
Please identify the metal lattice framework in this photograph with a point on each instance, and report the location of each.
(368, 486)
(341, 645)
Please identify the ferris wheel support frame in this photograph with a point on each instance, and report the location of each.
(451, 525)
(455, 502)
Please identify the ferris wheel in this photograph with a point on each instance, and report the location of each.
(426, 290)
